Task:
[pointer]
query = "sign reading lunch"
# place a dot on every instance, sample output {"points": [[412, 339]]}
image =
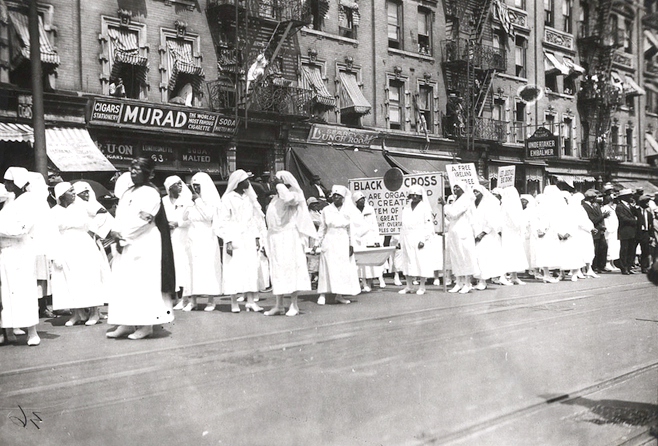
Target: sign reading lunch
{"points": [[328, 134], [388, 204], [105, 111]]}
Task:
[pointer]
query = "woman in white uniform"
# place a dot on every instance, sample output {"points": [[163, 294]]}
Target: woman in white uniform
{"points": [[486, 228], [176, 204], [370, 237], [338, 270], [289, 226], [143, 275], [513, 235], [203, 245], [460, 242]]}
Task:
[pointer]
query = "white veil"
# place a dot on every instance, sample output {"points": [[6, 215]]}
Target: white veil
{"points": [[303, 217], [236, 178]]}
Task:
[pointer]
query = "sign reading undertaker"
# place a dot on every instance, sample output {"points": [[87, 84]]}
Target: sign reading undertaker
{"points": [[136, 114], [542, 144], [328, 134]]}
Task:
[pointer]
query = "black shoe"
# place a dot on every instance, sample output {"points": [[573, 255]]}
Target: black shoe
{"points": [[626, 273]]}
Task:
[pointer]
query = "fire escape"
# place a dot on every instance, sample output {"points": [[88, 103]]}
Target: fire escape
{"points": [[469, 67], [599, 97], [257, 53]]}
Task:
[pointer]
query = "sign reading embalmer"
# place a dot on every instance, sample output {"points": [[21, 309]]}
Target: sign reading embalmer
{"points": [[543, 144]]}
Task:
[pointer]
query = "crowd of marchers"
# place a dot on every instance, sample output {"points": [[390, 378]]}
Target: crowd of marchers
{"points": [[152, 254]]}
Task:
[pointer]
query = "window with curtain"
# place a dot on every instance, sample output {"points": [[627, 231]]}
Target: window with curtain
{"points": [[628, 36], [519, 122], [394, 24], [424, 31], [567, 12], [567, 142], [395, 104], [425, 106]]}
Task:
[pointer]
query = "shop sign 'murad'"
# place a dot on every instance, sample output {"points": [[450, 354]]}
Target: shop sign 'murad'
{"points": [[131, 114]]}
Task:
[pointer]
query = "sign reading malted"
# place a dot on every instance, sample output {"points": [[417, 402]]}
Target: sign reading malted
{"points": [[388, 204], [105, 111]]}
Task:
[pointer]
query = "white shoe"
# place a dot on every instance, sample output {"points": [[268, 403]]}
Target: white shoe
{"points": [[382, 284], [240, 299], [518, 281], [466, 289], [321, 300], [180, 305], [397, 282], [19, 332], [292, 312], [592, 274], [436, 282], [189, 307], [505, 281], [342, 300], [367, 289], [580, 275], [481, 286], [209, 307], [455, 289], [34, 341], [404, 291], [574, 278], [420, 292]]}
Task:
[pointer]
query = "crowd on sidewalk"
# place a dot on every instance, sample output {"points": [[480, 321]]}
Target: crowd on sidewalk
{"points": [[153, 254]]}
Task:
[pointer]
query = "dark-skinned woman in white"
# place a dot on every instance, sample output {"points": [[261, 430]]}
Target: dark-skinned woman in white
{"points": [[415, 237], [338, 271], [289, 225], [242, 228], [143, 275]]}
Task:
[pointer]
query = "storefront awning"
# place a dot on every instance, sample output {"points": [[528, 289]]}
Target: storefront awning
{"points": [[182, 61], [413, 164], [20, 23], [632, 87], [16, 132], [337, 166], [647, 186], [352, 99], [574, 68], [553, 66], [125, 50], [651, 43], [312, 78], [72, 150], [651, 144]]}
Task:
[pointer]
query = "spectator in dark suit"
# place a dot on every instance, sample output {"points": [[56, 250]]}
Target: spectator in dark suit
{"points": [[597, 217], [644, 235], [316, 190], [627, 230], [264, 191]]}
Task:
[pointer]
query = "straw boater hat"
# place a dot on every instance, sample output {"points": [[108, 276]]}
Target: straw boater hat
{"points": [[625, 192]]}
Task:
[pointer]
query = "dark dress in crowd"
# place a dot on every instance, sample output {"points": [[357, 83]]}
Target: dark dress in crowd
{"points": [[627, 232], [600, 245]]}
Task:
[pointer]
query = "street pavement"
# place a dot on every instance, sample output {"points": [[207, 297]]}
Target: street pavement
{"points": [[540, 364]]}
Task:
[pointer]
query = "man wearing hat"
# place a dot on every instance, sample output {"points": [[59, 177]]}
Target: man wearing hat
{"points": [[627, 231], [316, 189], [644, 235], [597, 217]]}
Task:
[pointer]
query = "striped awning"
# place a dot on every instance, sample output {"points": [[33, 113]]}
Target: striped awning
{"points": [[553, 65], [651, 144], [22, 33], [181, 60], [574, 68], [352, 99], [633, 88], [16, 132], [312, 80], [354, 7], [124, 50], [71, 149]]}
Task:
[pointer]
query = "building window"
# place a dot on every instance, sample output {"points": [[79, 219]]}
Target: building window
{"points": [[567, 142], [567, 12], [394, 12], [182, 74], [424, 31], [125, 61], [550, 81], [353, 104], [549, 16], [628, 36], [629, 144], [630, 103], [348, 18], [570, 85], [15, 66], [519, 4], [425, 109], [395, 104], [319, 9], [549, 122], [520, 56], [519, 122]]}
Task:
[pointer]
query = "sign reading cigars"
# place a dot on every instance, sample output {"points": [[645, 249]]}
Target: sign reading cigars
{"points": [[542, 144], [108, 111], [329, 134]]}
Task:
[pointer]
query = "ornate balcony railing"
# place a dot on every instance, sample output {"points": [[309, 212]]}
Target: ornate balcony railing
{"points": [[483, 129], [606, 35], [609, 152], [279, 10], [601, 92], [273, 95], [484, 57]]}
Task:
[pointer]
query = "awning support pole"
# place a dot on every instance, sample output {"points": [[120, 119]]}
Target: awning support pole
{"points": [[40, 156]]}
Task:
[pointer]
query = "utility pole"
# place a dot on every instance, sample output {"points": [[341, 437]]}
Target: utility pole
{"points": [[38, 123]]}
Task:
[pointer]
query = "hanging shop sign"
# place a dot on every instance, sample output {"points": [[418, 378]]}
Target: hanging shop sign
{"points": [[116, 151], [163, 117], [388, 204], [542, 144], [329, 134], [506, 176]]}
